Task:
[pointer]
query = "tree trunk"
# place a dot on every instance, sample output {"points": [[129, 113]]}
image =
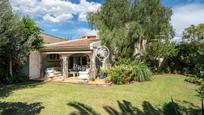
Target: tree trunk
{"points": [[10, 67]]}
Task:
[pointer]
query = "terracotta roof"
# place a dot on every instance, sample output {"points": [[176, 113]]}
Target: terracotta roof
{"points": [[47, 39], [79, 44]]}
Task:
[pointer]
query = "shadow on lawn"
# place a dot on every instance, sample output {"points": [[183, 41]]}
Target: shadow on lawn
{"points": [[19, 108], [82, 109], [126, 108], [8, 89]]}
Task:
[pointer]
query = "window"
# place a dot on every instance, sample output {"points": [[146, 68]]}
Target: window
{"points": [[71, 62], [53, 57], [84, 60], [79, 62]]}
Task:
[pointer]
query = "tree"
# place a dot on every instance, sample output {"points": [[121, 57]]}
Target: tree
{"points": [[154, 19], [111, 22], [189, 57], [194, 33], [9, 32], [157, 51], [18, 37], [122, 23]]}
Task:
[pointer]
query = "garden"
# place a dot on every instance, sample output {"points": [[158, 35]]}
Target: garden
{"points": [[166, 94], [150, 73]]}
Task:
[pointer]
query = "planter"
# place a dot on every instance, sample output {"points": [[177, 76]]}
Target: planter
{"points": [[102, 76]]}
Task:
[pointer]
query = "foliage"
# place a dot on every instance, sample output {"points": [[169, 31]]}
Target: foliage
{"points": [[190, 52], [18, 37], [199, 70], [157, 51], [120, 74], [122, 23], [126, 73], [7, 79], [194, 33], [19, 78], [108, 79], [154, 20], [187, 56], [31, 32], [141, 72], [195, 80], [103, 71], [200, 91]]}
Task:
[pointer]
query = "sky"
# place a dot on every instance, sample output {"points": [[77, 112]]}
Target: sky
{"points": [[67, 18]]}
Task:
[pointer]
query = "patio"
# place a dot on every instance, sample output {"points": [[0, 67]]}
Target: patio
{"points": [[76, 80]]}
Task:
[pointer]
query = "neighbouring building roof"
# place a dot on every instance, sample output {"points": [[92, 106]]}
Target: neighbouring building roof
{"points": [[48, 39], [71, 45]]}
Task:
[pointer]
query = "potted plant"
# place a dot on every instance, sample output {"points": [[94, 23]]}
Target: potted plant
{"points": [[103, 73]]}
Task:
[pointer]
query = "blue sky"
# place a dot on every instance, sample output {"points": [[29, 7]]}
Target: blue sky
{"points": [[67, 18]]}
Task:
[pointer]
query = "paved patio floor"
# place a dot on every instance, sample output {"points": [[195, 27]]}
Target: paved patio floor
{"points": [[76, 80]]}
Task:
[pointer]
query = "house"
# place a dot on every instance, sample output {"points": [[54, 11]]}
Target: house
{"points": [[70, 56], [48, 39]]}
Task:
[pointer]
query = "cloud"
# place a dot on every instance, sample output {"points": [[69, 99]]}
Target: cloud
{"points": [[55, 11], [54, 30], [186, 15], [82, 17], [57, 19], [86, 31], [85, 7]]}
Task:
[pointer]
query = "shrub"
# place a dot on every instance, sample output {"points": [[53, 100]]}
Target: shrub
{"points": [[103, 73], [195, 80], [199, 70], [141, 72], [120, 74], [108, 79], [20, 78], [126, 73], [4, 76], [189, 59], [17, 77]]}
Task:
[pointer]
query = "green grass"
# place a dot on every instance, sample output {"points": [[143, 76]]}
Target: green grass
{"points": [[63, 98]]}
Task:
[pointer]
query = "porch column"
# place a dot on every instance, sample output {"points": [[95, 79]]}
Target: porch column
{"points": [[92, 65], [64, 66], [42, 71]]}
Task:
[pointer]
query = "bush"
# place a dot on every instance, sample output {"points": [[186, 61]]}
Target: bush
{"points": [[199, 70], [126, 73], [141, 72], [20, 78], [17, 77], [108, 79], [195, 80], [120, 74], [189, 59], [4, 76]]}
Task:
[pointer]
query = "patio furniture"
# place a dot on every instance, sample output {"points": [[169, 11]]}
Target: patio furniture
{"points": [[53, 72], [84, 75], [73, 73]]}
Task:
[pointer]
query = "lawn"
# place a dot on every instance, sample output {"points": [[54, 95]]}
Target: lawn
{"points": [[148, 98]]}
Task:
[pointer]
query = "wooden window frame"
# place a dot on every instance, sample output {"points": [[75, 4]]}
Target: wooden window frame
{"points": [[53, 57]]}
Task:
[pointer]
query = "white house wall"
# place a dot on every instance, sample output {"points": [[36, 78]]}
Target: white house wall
{"points": [[34, 65]]}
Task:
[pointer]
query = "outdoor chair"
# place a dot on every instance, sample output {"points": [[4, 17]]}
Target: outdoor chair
{"points": [[84, 75]]}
